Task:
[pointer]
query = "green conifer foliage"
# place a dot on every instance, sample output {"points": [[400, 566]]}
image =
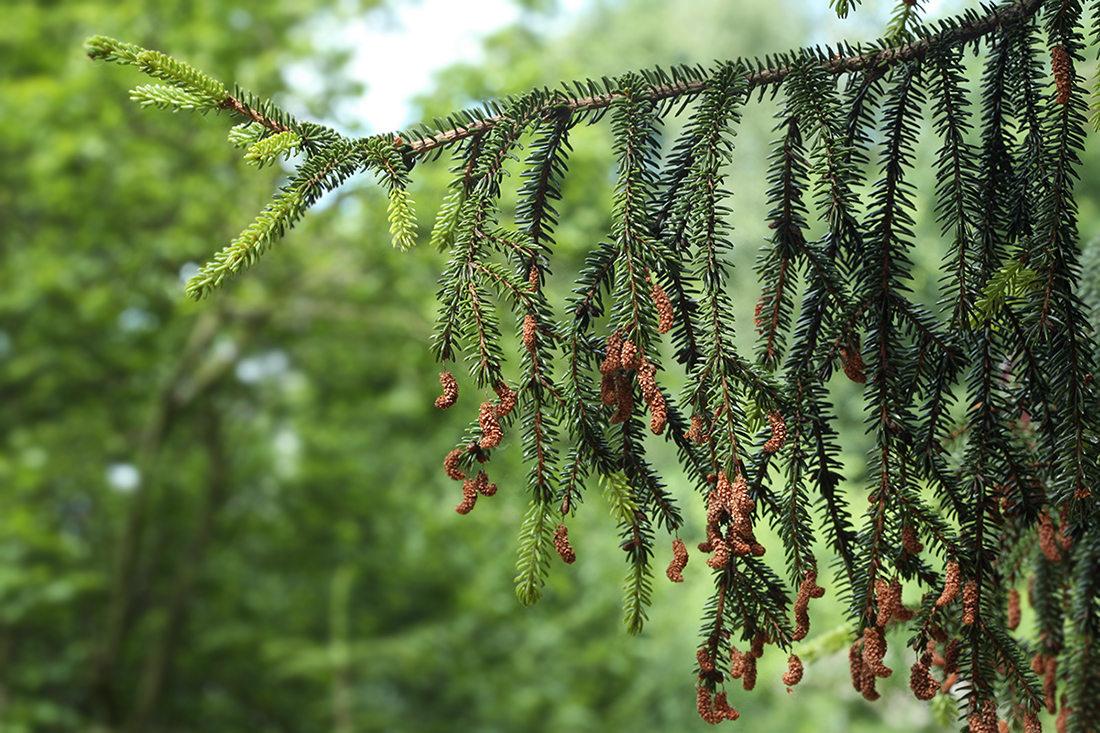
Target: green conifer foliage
{"points": [[983, 413]]}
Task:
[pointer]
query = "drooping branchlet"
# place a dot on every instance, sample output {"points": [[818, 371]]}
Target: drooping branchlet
{"points": [[450, 391]]}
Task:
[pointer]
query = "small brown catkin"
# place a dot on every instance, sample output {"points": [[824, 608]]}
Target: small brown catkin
{"points": [[1013, 609], [869, 680], [779, 433], [793, 675], [1048, 539], [951, 657], [807, 589], [665, 315], [507, 399], [757, 648], [855, 664], [679, 561], [714, 712], [1031, 723], [921, 682], [658, 409], [909, 540], [874, 651], [533, 278], [888, 601], [608, 396], [1050, 683], [450, 465], [450, 391], [469, 496], [748, 680], [629, 357], [481, 483], [530, 332], [970, 603], [561, 544], [951, 578], [613, 359], [948, 682], [490, 427], [737, 664], [695, 433], [1062, 67], [721, 556], [704, 706], [723, 708], [624, 399], [647, 381], [852, 361], [1061, 723]]}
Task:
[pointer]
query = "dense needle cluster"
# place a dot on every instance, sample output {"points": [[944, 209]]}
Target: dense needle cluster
{"points": [[979, 399]]}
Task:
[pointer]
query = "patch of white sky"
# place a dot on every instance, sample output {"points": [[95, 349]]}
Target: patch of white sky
{"points": [[398, 49]]}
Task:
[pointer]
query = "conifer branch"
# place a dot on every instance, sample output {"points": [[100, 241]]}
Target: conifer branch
{"points": [[970, 29]]}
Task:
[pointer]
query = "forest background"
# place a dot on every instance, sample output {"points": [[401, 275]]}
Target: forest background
{"points": [[231, 515]]}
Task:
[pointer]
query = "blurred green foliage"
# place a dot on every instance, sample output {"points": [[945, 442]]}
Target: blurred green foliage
{"points": [[231, 515]]}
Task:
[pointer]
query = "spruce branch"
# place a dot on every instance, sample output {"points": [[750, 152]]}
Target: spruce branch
{"points": [[951, 33]]}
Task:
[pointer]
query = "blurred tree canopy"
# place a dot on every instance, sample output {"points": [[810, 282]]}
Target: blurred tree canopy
{"points": [[231, 515]]}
